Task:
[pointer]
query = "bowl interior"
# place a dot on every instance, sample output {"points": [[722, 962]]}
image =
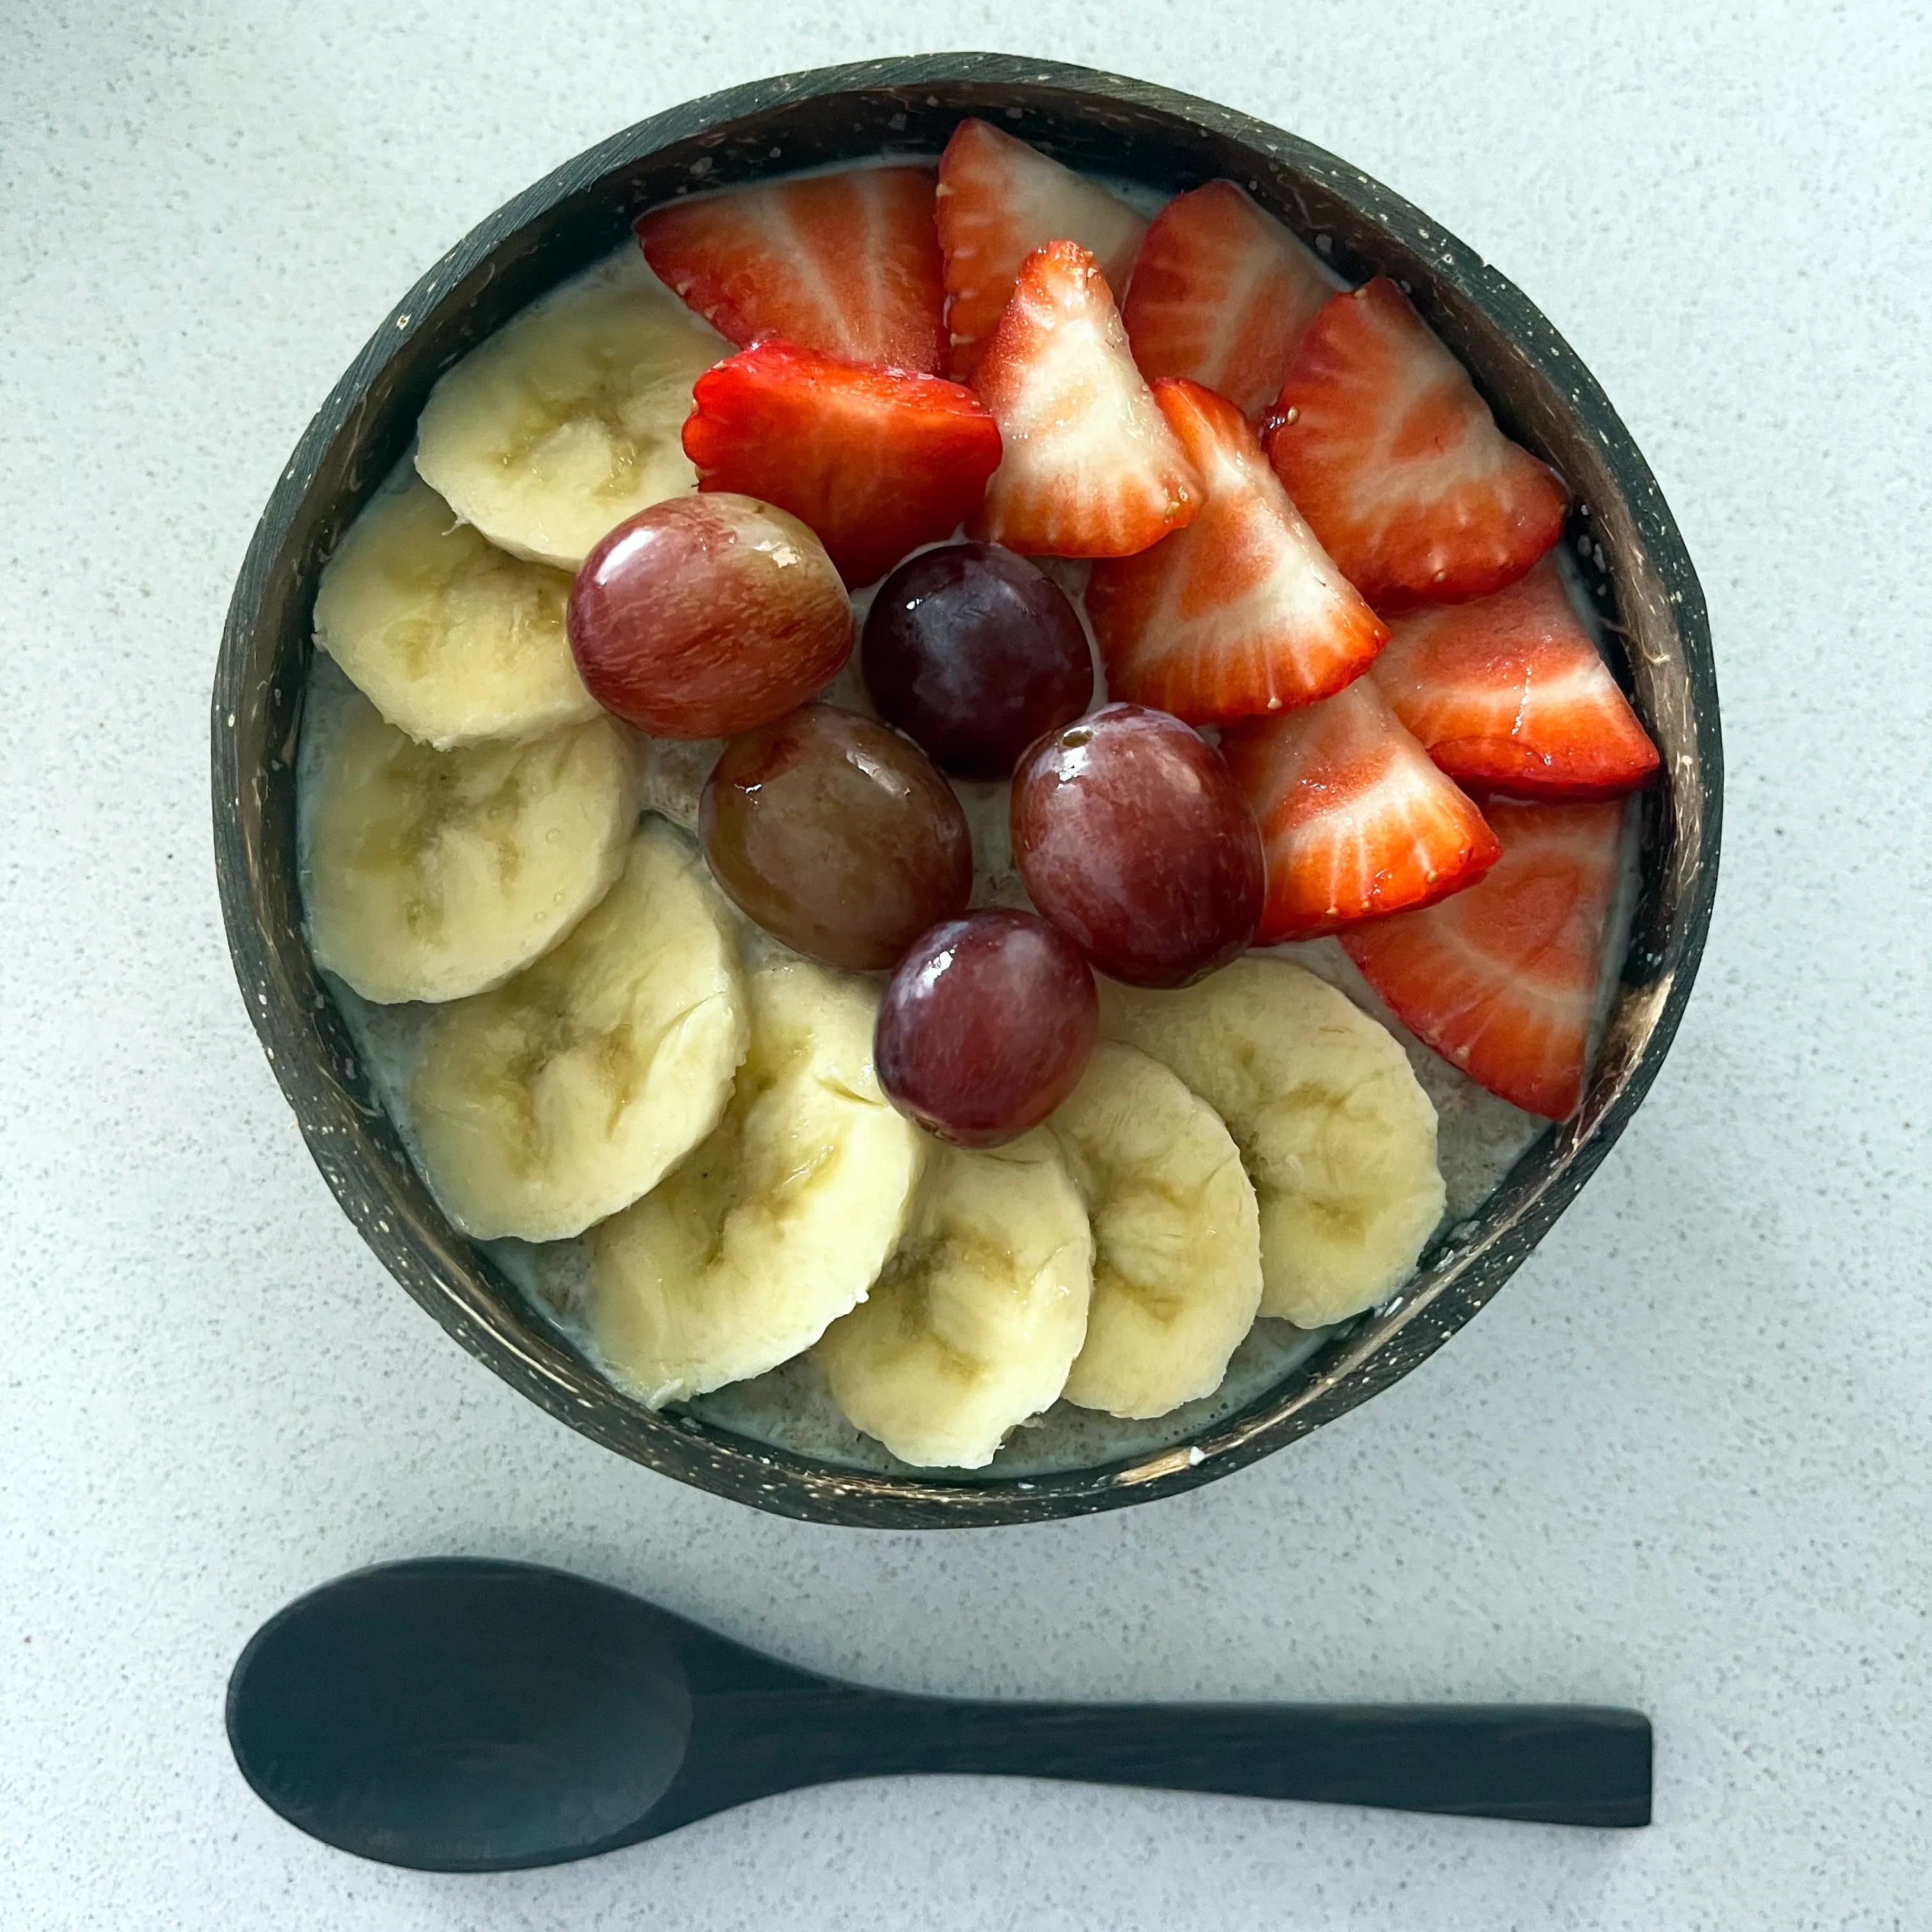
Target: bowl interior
{"points": [[1633, 560]]}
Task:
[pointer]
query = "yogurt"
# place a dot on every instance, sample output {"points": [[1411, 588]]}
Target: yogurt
{"points": [[1480, 1137]]}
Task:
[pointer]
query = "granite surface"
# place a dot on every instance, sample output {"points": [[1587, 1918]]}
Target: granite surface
{"points": [[1682, 1463]]}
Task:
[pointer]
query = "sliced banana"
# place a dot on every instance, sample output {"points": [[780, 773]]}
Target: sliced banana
{"points": [[431, 875], [1335, 1133], [1177, 1237], [568, 419], [975, 1321], [452, 639], [778, 1224], [562, 1096]]}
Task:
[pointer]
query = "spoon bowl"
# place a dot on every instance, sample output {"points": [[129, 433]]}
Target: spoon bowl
{"points": [[464, 1716], [457, 1713]]}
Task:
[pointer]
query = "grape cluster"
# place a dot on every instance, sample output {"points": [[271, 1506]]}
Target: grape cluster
{"points": [[839, 835]]}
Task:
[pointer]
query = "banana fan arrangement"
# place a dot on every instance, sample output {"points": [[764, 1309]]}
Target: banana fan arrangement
{"points": [[612, 1058]]}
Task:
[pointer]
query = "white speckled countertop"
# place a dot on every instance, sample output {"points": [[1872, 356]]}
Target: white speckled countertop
{"points": [[1682, 1462]]}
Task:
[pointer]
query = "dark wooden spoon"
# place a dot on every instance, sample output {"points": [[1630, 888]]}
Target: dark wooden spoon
{"points": [[460, 1715]]}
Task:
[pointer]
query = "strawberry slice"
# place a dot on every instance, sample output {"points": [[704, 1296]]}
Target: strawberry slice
{"points": [[999, 200], [1501, 980], [1240, 612], [1508, 693], [1221, 294], [1355, 820], [878, 461], [1090, 468], [847, 263], [1397, 464]]}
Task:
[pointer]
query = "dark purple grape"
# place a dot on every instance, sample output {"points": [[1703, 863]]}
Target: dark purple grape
{"points": [[1132, 838], [974, 651], [837, 835], [986, 1025]]}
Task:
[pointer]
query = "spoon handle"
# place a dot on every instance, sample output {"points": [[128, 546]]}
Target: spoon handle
{"points": [[1553, 1764]]}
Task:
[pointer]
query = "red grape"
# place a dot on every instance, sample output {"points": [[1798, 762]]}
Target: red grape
{"points": [[986, 1026], [703, 615], [837, 835], [974, 652], [1131, 837]]}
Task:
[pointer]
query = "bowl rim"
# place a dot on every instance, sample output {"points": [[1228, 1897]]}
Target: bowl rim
{"points": [[461, 1290]]}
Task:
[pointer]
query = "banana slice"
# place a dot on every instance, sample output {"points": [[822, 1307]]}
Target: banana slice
{"points": [[454, 640], [1335, 1133], [562, 1096], [976, 1319], [779, 1222], [1176, 1238], [568, 419], [432, 874]]}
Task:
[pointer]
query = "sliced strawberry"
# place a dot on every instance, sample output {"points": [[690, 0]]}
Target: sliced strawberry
{"points": [[1354, 819], [1397, 464], [1221, 294], [878, 461], [1241, 612], [999, 200], [1090, 468], [1508, 694], [1501, 980], [847, 263]]}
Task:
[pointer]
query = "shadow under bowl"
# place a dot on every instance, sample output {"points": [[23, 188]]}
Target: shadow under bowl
{"points": [[1542, 395]]}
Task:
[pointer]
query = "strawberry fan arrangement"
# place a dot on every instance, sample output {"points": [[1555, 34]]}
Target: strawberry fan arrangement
{"points": [[1306, 531]]}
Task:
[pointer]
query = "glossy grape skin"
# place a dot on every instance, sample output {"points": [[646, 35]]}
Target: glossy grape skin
{"points": [[974, 652], [705, 615], [986, 1026], [1131, 837], [837, 835]]}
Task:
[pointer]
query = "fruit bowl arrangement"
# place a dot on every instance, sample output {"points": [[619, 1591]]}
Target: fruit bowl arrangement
{"points": [[883, 762]]}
